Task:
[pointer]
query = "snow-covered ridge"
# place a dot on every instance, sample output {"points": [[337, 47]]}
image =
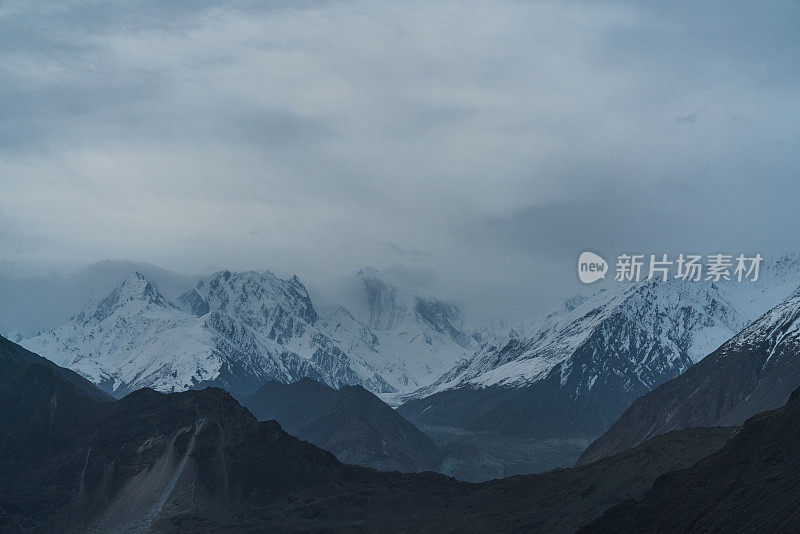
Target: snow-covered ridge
{"points": [[234, 330], [130, 339], [239, 330], [780, 325], [648, 333]]}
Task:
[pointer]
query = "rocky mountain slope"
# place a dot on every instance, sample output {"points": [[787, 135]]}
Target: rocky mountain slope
{"points": [[39, 400], [350, 422], [754, 371]]}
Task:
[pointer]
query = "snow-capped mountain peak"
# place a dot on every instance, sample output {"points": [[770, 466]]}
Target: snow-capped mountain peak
{"points": [[646, 333], [235, 330], [780, 325], [385, 306], [756, 370], [133, 289]]}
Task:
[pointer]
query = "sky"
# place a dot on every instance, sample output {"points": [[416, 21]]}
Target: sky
{"points": [[470, 150]]}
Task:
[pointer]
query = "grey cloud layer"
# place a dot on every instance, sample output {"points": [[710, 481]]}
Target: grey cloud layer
{"points": [[473, 148]]}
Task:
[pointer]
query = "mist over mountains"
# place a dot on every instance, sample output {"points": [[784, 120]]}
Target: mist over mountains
{"points": [[311, 267], [494, 400], [33, 304], [633, 382]]}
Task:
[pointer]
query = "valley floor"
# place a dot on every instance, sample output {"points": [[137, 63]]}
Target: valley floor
{"points": [[479, 456]]}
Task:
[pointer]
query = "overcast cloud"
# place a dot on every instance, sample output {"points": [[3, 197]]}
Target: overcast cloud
{"points": [[471, 149]]}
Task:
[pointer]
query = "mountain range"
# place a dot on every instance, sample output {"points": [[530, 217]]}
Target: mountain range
{"points": [[240, 330], [495, 403], [566, 379]]}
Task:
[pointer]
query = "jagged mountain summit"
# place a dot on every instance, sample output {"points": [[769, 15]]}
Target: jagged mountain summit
{"points": [[234, 330], [240, 330], [756, 370], [255, 311], [133, 338]]}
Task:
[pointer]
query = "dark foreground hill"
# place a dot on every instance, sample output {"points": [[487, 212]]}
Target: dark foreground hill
{"points": [[751, 485], [350, 422], [198, 461], [39, 400]]}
